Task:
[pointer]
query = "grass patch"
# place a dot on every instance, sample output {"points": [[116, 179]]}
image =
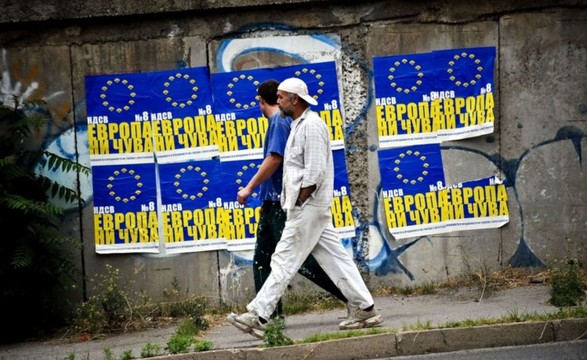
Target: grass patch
{"points": [[507, 278], [567, 287], [344, 335], [515, 317]]}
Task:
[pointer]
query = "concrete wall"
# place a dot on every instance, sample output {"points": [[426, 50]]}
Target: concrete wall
{"points": [[538, 143]]}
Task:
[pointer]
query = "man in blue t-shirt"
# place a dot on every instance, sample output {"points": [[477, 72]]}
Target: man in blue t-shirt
{"points": [[272, 220]]}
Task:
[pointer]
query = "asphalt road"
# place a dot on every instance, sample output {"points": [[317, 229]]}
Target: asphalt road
{"points": [[563, 350]]}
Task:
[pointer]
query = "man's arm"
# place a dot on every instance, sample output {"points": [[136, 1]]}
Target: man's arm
{"points": [[267, 168], [306, 192]]}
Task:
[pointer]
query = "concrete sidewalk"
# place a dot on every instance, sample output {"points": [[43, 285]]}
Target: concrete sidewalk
{"points": [[399, 313]]}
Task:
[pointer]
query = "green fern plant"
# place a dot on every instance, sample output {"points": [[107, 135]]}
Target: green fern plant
{"points": [[35, 261]]}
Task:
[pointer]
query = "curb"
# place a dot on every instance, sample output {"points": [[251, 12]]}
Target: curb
{"points": [[408, 343]]}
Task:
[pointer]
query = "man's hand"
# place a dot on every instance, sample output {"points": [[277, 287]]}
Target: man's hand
{"points": [[242, 195]]}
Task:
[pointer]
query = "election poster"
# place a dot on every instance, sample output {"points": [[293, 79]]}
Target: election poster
{"points": [[184, 127], [125, 208], [191, 219], [117, 133], [123, 166], [434, 97], [402, 85], [421, 101], [240, 226], [342, 208], [463, 101], [322, 84]]}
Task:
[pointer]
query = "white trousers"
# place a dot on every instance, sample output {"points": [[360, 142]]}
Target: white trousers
{"points": [[308, 229]]}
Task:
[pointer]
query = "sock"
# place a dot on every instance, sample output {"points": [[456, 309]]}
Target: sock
{"points": [[369, 308], [262, 321]]}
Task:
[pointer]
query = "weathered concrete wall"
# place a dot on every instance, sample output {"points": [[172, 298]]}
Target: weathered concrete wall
{"points": [[538, 142]]}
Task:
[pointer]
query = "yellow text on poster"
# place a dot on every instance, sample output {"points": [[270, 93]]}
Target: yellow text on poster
{"points": [[183, 133], [342, 212], [445, 205], [130, 227], [333, 118], [119, 138], [194, 224], [241, 134]]}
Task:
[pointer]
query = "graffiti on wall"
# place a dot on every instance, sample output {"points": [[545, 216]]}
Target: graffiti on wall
{"points": [[26, 86]]}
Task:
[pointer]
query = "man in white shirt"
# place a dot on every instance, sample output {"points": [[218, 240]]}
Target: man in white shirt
{"points": [[308, 181]]}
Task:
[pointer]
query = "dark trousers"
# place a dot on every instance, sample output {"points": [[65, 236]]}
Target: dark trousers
{"points": [[269, 229]]}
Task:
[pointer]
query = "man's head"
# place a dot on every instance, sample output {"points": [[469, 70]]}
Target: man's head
{"points": [[268, 97], [293, 97]]}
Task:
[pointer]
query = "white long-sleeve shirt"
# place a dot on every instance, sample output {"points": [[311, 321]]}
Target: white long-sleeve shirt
{"points": [[308, 161]]}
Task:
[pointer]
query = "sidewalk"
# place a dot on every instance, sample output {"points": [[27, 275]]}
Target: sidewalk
{"points": [[398, 312]]}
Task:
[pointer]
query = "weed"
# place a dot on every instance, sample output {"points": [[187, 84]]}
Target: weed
{"points": [[188, 327], [70, 356], [419, 326], [179, 343], [107, 311], [151, 350], [203, 345], [274, 335], [127, 355], [567, 283], [108, 355]]}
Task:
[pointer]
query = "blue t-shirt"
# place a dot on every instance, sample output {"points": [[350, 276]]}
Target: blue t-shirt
{"points": [[275, 140]]}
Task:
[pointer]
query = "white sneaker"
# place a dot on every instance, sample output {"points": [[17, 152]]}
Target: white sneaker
{"points": [[248, 323], [361, 319], [349, 312]]}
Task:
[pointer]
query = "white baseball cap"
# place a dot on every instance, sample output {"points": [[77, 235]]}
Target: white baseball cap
{"points": [[297, 86]]}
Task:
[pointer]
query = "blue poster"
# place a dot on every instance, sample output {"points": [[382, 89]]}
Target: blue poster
{"points": [[180, 109], [192, 219], [411, 170], [463, 103], [342, 208], [403, 84], [116, 129], [434, 97], [240, 220], [125, 208]]}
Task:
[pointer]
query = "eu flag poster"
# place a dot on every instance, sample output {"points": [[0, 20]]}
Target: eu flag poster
{"points": [[125, 208], [465, 78], [192, 220], [402, 87], [434, 97], [241, 125], [117, 130], [408, 175], [180, 110]]}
